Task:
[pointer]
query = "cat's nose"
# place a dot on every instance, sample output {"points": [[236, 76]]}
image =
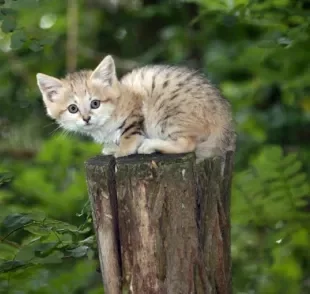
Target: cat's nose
{"points": [[86, 119]]}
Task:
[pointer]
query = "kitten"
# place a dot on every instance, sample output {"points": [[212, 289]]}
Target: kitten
{"points": [[168, 109]]}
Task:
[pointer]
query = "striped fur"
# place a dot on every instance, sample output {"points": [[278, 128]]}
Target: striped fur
{"points": [[160, 108]]}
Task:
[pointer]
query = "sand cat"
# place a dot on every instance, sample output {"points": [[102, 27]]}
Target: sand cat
{"points": [[156, 108]]}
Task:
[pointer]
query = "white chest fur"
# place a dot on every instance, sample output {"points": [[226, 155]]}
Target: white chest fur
{"points": [[107, 136]]}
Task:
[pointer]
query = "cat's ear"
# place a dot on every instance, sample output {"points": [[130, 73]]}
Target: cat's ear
{"points": [[49, 86], [105, 73]]}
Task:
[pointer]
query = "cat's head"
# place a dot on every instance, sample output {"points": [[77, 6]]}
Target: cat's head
{"points": [[82, 101]]}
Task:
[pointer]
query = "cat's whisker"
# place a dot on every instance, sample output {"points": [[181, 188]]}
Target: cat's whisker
{"points": [[50, 124], [54, 131], [64, 133]]}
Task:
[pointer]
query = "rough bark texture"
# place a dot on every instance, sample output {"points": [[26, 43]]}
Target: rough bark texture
{"points": [[171, 231], [101, 187]]}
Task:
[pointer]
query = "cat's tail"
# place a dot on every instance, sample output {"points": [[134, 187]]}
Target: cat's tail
{"points": [[217, 144]]}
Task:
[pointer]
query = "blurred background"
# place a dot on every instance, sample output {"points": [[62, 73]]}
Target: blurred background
{"points": [[255, 51]]}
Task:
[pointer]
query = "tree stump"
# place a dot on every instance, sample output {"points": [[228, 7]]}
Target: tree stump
{"points": [[162, 223]]}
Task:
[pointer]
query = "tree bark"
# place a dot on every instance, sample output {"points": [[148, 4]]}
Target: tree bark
{"points": [[170, 223], [101, 187]]}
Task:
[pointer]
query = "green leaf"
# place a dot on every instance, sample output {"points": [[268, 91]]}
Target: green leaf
{"points": [[8, 24], [301, 191], [301, 238], [267, 44], [8, 250], [54, 258], [61, 227], [26, 253], [4, 12], [79, 251], [22, 4], [90, 240], [66, 238], [48, 40], [18, 39], [35, 46], [10, 266], [5, 177], [292, 169], [37, 229], [289, 159], [276, 185], [298, 179], [45, 249], [16, 220]]}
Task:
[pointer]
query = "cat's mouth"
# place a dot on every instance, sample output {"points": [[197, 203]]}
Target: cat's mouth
{"points": [[89, 126]]}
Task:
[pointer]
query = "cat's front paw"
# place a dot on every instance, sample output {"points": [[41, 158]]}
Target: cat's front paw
{"points": [[109, 149], [147, 147], [106, 151], [122, 153]]}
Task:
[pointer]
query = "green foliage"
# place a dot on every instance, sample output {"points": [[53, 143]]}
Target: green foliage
{"points": [[274, 187], [58, 189], [32, 244], [15, 13], [271, 226], [255, 51], [46, 243], [4, 177]]}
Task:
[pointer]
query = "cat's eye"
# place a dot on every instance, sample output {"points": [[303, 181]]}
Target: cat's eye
{"points": [[73, 108], [95, 104]]}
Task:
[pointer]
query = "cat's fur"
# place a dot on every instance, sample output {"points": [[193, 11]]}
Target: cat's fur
{"points": [[154, 108]]}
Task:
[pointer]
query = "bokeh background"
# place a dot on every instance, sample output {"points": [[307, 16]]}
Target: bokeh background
{"points": [[255, 51]]}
